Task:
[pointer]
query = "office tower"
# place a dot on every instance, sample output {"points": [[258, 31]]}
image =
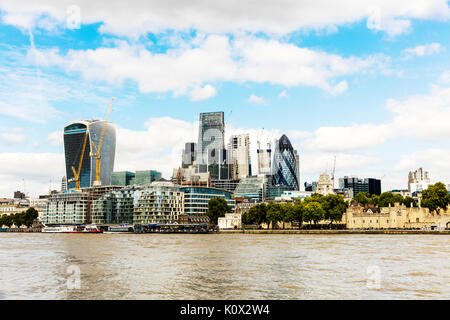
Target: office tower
{"points": [[418, 180], [63, 184], [264, 160], [254, 188], [74, 136], [285, 167], [122, 178], [369, 185], [19, 195], [210, 139], [239, 156], [189, 154]]}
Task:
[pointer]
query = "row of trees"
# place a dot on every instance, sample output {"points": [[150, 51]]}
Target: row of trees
{"points": [[383, 200], [18, 219], [435, 198], [312, 209]]}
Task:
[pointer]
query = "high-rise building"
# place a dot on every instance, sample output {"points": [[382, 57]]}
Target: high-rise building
{"points": [[140, 178], [211, 143], [369, 185], [189, 154], [254, 188], [418, 180], [74, 135], [63, 184], [285, 167], [264, 160], [239, 156]]}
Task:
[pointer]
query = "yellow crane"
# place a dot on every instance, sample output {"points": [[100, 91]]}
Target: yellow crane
{"points": [[76, 174], [98, 148]]}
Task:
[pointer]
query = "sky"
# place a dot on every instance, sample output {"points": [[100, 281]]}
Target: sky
{"points": [[367, 82]]}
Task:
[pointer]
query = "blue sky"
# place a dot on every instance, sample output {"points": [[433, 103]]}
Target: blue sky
{"points": [[367, 81]]}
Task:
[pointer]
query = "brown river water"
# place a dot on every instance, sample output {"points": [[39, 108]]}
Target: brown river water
{"points": [[223, 266]]}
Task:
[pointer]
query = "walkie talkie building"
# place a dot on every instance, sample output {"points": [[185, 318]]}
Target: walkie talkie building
{"points": [[285, 169], [74, 135]]}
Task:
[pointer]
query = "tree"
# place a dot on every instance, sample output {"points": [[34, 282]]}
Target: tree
{"points": [[389, 198], [30, 215], [408, 200], [435, 197], [313, 211], [18, 219], [8, 221], [334, 206], [217, 207], [362, 198], [295, 213], [286, 212], [274, 213]]}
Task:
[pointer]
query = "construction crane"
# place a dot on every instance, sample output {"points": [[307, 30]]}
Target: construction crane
{"points": [[76, 173], [98, 148]]}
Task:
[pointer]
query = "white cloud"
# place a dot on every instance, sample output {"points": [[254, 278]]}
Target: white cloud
{"points": [[445, 77], [423, 50], [13, 138], [435, 160], [55, 138], [202, 93], [138, 17], [423, 117], [283, 94], [37, 169], [187, 69], [256, 100]]}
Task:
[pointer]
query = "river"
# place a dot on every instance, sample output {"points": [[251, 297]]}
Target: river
{"points": [[223, 266]]}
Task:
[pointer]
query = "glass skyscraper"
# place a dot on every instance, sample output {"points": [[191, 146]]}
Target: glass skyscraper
{"points": [[285, 167], [74, 134], [211, 143]]}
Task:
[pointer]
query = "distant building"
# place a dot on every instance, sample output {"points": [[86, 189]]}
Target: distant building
{"points": [[369, 185], [264, 160], [74, 136], [324, 185], [64, 184], [311, 186], [418, 180], [115, 207], [285, 167], [140, 178], [229, 185], [239, 156], [196, 199], [211, 139], [19, 195], [293, 195], [189, 155], [230, 221], [254, 188]]}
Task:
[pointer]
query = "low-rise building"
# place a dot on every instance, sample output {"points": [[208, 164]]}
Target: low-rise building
{"points": [[395, 217], [230, 221]]}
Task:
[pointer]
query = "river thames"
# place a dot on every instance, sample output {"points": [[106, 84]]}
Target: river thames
{"points": [[223, 266]]}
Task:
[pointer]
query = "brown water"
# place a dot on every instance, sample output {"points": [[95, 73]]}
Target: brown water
{"points": [[225, 266]]}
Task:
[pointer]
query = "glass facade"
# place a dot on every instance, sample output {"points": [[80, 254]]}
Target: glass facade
{"points": [[114, 207], [285, 168], [196, 199], [254, 188], [74, 135], [211, 138]]}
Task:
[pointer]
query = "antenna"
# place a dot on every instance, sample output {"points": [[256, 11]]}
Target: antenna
{"points": [[334, 170]]}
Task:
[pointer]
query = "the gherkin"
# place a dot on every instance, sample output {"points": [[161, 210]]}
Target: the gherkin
{"points": [[285, 167]]}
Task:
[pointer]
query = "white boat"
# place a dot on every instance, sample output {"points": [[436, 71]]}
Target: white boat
{"points": [[72, 229]]}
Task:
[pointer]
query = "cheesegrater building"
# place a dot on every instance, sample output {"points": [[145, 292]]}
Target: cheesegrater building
{"points": [[74, 135]]}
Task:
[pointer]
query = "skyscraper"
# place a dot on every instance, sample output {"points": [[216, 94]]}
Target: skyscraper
{"points": [[418, 180], [369, 185], [285, 169], [74, 135], [239, 156], [189, 155], [264, 160], [211, 142]]}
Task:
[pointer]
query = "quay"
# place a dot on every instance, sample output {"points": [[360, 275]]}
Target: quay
{"points": [[201, 228]]}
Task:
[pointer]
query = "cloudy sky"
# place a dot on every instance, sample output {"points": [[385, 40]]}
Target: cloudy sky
{"points": [[365, 81]]}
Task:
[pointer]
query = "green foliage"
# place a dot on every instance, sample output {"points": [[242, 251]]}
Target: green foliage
{"points": [[217, 207], [435, 197], [408, 200], [313, 211], [362, 198], [389, 198], [274, 213], [334, 206]]}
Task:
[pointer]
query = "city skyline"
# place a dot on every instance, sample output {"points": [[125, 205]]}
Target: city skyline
{"points": [[370, 85]]}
